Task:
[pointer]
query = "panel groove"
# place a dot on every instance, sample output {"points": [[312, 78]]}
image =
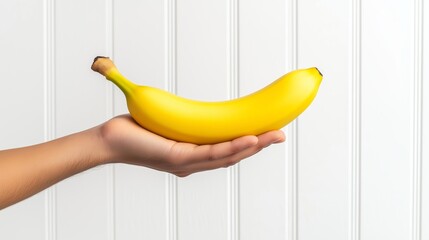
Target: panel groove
{"points": [[110, 111], [233, 84], [49, 108], [171, 86], [417, 122], [355, 121], [291, 13]]}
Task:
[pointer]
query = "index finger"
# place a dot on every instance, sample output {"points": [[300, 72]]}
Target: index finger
{"points": [[221, 150]]}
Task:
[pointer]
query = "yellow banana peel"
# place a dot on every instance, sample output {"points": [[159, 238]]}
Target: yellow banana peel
{"points": [[200, 122]]}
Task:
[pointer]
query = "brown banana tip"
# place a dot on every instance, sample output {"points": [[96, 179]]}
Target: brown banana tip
{"points": [[96, 58], [319, 71], [102, 65]]}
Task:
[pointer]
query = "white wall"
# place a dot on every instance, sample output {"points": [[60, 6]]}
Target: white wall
{"points": [[351, 168]]}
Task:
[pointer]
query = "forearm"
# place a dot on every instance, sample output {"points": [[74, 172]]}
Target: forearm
{"points": [[28, 170]]}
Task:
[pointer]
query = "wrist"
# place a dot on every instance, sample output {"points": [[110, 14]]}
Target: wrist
{"points": [[100, 152], [106, 137]]}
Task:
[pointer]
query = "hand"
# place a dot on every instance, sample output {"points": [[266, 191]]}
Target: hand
{"points": [[28, 170], [128, 143]]}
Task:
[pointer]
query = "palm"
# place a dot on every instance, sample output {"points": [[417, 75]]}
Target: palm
{"points": [[134, 145]]}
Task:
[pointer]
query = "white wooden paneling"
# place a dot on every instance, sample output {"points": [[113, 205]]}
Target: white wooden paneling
{"points": [[323, 41], [352, 166], [22, 70], [81, 202], [22, 104], [354, 218], [139, 52], [387, 78], [261, 61], [417, 124], [424, 227], [201, 64]]}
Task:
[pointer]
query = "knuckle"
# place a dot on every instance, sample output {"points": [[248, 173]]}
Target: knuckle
{"points": [[182, 174], [211, 154], [230, 162]]}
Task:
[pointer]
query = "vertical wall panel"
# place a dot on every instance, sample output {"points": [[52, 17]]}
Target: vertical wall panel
{"points": [[425, 130], [81, 201], [387, 78], [233, 176], [261, 61], [201, 74], [291, 173], [355, 120], [138, 51], [360, 148], [416, 123], [22, 69], [323, 134], [22, 104]]}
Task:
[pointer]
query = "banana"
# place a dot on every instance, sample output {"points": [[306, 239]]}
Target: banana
{"points": [[199, 122]]}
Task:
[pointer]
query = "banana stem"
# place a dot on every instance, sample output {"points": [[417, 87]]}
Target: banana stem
{"points": [[107, 68]]}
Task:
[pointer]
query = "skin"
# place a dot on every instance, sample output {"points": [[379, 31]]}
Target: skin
{"points": [[28, 170]]}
